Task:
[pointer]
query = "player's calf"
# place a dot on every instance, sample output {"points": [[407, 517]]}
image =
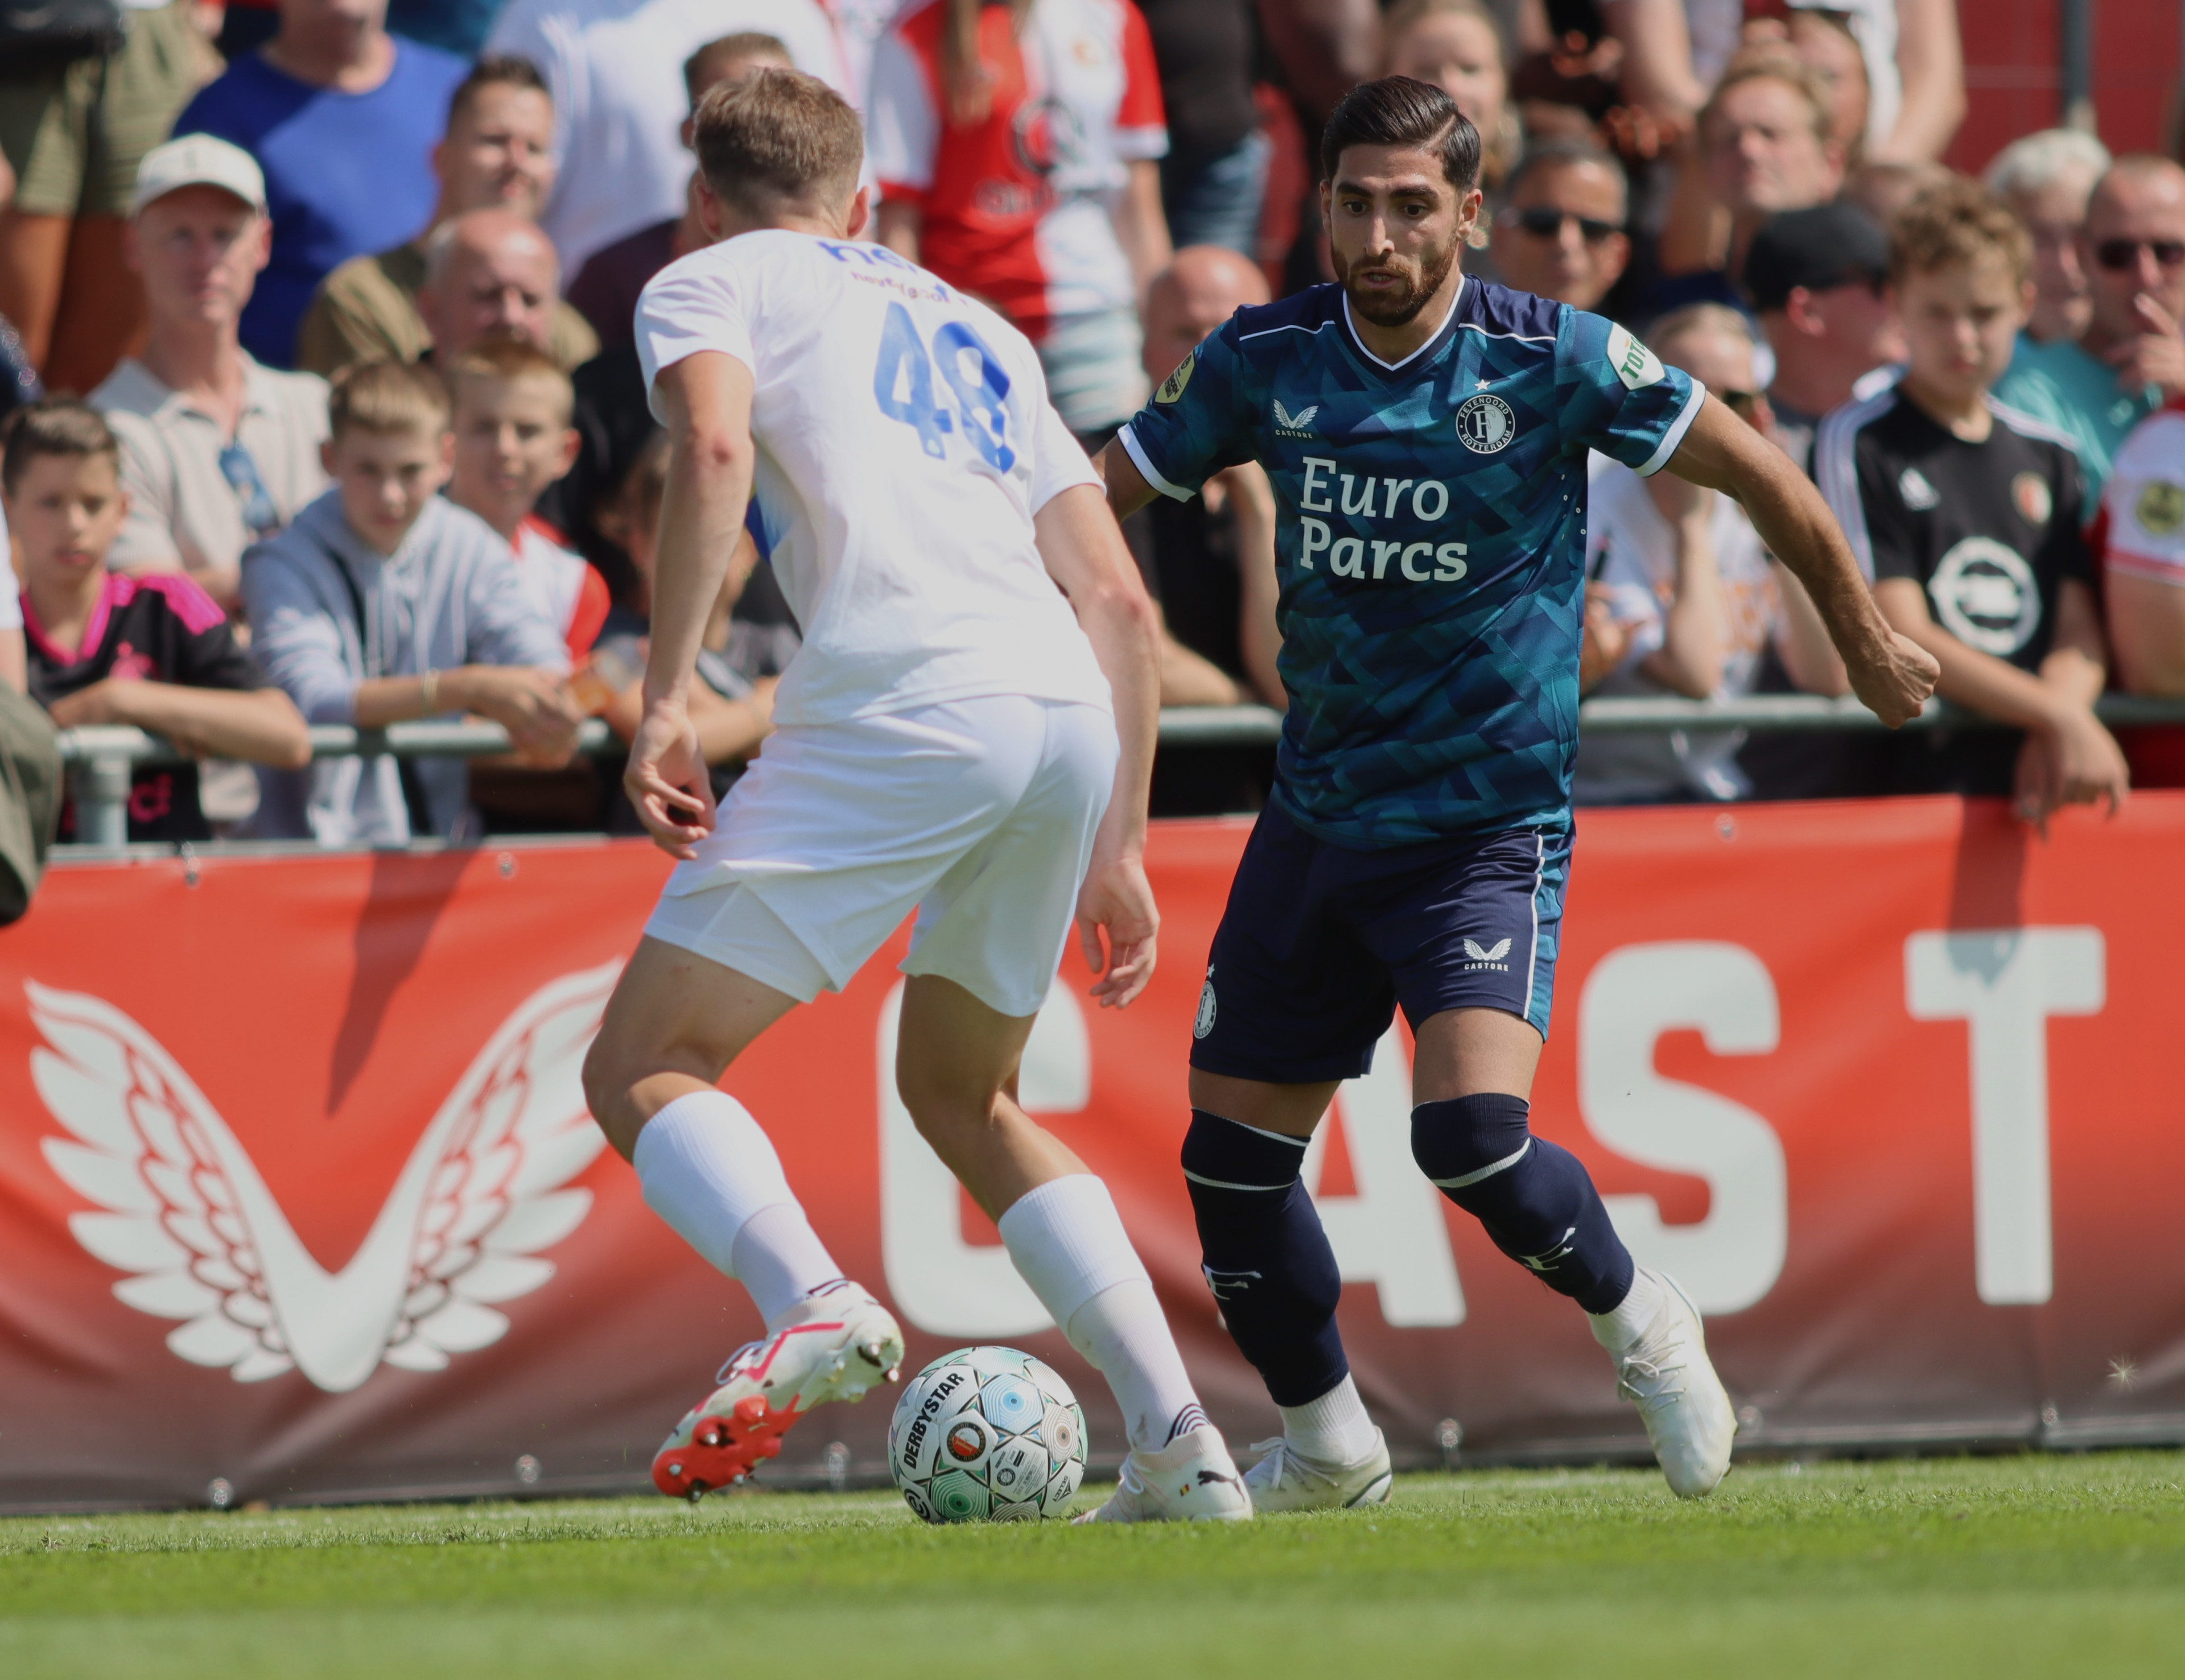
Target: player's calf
{"points": [[1539, 1204], [1266, 1256], [1536, 1198], [1268, 1262]]}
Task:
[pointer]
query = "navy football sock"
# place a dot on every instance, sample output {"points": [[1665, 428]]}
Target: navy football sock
{"points": [[1536, 1199], [1266, 1258]]}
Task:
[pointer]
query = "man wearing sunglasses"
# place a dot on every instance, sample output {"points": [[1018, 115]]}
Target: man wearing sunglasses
{"points": [[2133, 358], [1561, 235], [217, 451]]}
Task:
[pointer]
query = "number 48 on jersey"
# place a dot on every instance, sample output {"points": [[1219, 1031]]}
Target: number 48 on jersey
{"points": [[903, 386]]}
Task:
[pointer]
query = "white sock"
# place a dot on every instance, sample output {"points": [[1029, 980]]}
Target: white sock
{"points": [[708, 1168], [780, 1259], [1620, 1328], [1333, 1429], [1067, 1241]]}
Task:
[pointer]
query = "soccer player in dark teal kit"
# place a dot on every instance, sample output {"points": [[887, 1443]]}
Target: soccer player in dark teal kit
{"points": [[1427, 437]]}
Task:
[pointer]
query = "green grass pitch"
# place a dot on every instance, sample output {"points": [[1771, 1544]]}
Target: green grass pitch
{"points": [[2028, 1565]]}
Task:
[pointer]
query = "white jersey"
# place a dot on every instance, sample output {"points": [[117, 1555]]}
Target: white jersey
{"points": [[615, 71], [1632, 549], [904, 441], [2143, 502]]}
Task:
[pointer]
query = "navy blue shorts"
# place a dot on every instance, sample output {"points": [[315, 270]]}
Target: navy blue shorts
{"points": [[1320, 943]]}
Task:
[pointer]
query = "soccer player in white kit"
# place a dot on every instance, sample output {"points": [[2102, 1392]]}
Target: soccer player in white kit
{"points": [[958, 733]]}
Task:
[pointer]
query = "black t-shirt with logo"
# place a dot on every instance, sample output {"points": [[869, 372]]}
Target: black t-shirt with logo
{"points": [[162, 628], [1989, 531]]}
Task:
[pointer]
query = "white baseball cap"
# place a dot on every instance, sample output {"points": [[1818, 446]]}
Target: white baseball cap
{"points": [[199, 160]]}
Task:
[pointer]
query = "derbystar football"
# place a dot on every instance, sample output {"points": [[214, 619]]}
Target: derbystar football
{"points": [[987, 1433]]}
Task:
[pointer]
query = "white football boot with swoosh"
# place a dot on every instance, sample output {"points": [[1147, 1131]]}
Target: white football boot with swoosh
{"points": [[1285, 1480], [1192, 1479], [1687, 1410], [838, 1342]]}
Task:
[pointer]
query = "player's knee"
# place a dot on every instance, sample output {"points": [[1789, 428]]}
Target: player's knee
{"points": [[948, 1113], [1466, 1140], [1222, 1155], [607, 1083]]}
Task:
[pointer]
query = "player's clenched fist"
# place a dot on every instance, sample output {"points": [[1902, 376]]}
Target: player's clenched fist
{"points": [[1895, 682]]}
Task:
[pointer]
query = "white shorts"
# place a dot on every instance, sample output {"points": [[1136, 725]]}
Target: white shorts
{"points": [[979, 812]]}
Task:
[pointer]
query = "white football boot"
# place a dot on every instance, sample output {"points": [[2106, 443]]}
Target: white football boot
{"points": [[1687, 1412], [1285, 1480], [1192, 1479], [838, 1342]]}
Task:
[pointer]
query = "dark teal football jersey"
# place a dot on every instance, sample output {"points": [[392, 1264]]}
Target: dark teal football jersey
{"points": [[1430, 537]]}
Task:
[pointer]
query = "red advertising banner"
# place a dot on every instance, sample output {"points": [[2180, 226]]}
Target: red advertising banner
{"points": [[297, 1189]]}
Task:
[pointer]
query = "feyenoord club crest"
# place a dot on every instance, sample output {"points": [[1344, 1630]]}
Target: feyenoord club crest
{"points": [[1484, 424], [2030, 492]]}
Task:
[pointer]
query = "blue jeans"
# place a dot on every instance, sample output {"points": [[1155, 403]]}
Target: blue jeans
{"points": [[1215, 200]]}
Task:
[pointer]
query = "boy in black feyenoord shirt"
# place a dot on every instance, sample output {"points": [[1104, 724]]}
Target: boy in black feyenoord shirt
{"points": [[1968, 517], [153, 651]]}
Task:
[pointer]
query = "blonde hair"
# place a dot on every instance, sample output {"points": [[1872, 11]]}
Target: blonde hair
{"points": [[775, 137], [1405, 13], [1957, 224], [507, 360], [1775, 65], [1499, 152], [387, 399], [1694, 319]]}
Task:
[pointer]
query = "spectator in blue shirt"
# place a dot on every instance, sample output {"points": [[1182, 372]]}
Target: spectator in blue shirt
{"points": [[2130, 359], [343, 118]]}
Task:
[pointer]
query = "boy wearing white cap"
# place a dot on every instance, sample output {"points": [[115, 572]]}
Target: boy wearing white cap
{"points": [[217, 451]]}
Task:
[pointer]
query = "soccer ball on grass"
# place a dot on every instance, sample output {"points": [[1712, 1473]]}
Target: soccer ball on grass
{"points": [[987, 1433]]}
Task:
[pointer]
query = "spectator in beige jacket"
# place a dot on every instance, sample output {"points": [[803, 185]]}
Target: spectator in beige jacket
{"points": [[497, 154]]}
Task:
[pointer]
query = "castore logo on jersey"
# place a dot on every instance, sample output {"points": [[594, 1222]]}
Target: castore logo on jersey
{"points": [[184, 1211]]}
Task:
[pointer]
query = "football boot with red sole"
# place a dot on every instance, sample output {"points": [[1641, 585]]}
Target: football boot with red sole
{"points": [[839, 1344]]}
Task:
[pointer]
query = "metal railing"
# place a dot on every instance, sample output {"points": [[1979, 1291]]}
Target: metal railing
{"points": [[102, 758]]}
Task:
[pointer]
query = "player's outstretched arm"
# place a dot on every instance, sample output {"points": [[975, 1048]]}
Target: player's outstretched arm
{"points": [[1892, 674], [1127, 490], [1084, 553], [707, 398]]}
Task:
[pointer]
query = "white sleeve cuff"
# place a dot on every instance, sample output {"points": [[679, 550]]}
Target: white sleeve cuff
{"points": [[1146, 469], [1676, 434]]}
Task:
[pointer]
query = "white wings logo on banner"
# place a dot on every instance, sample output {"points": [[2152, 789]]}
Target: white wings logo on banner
{"points": [[188, 1216]]}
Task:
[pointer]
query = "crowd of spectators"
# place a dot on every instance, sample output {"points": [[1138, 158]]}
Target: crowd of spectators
{"points": [[345, 289]]}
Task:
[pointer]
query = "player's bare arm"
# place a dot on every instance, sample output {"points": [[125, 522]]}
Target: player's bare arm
{"points": [[1892, 673], [1260, 580], [1127, 490], [708, 398], [1084, 553]]}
